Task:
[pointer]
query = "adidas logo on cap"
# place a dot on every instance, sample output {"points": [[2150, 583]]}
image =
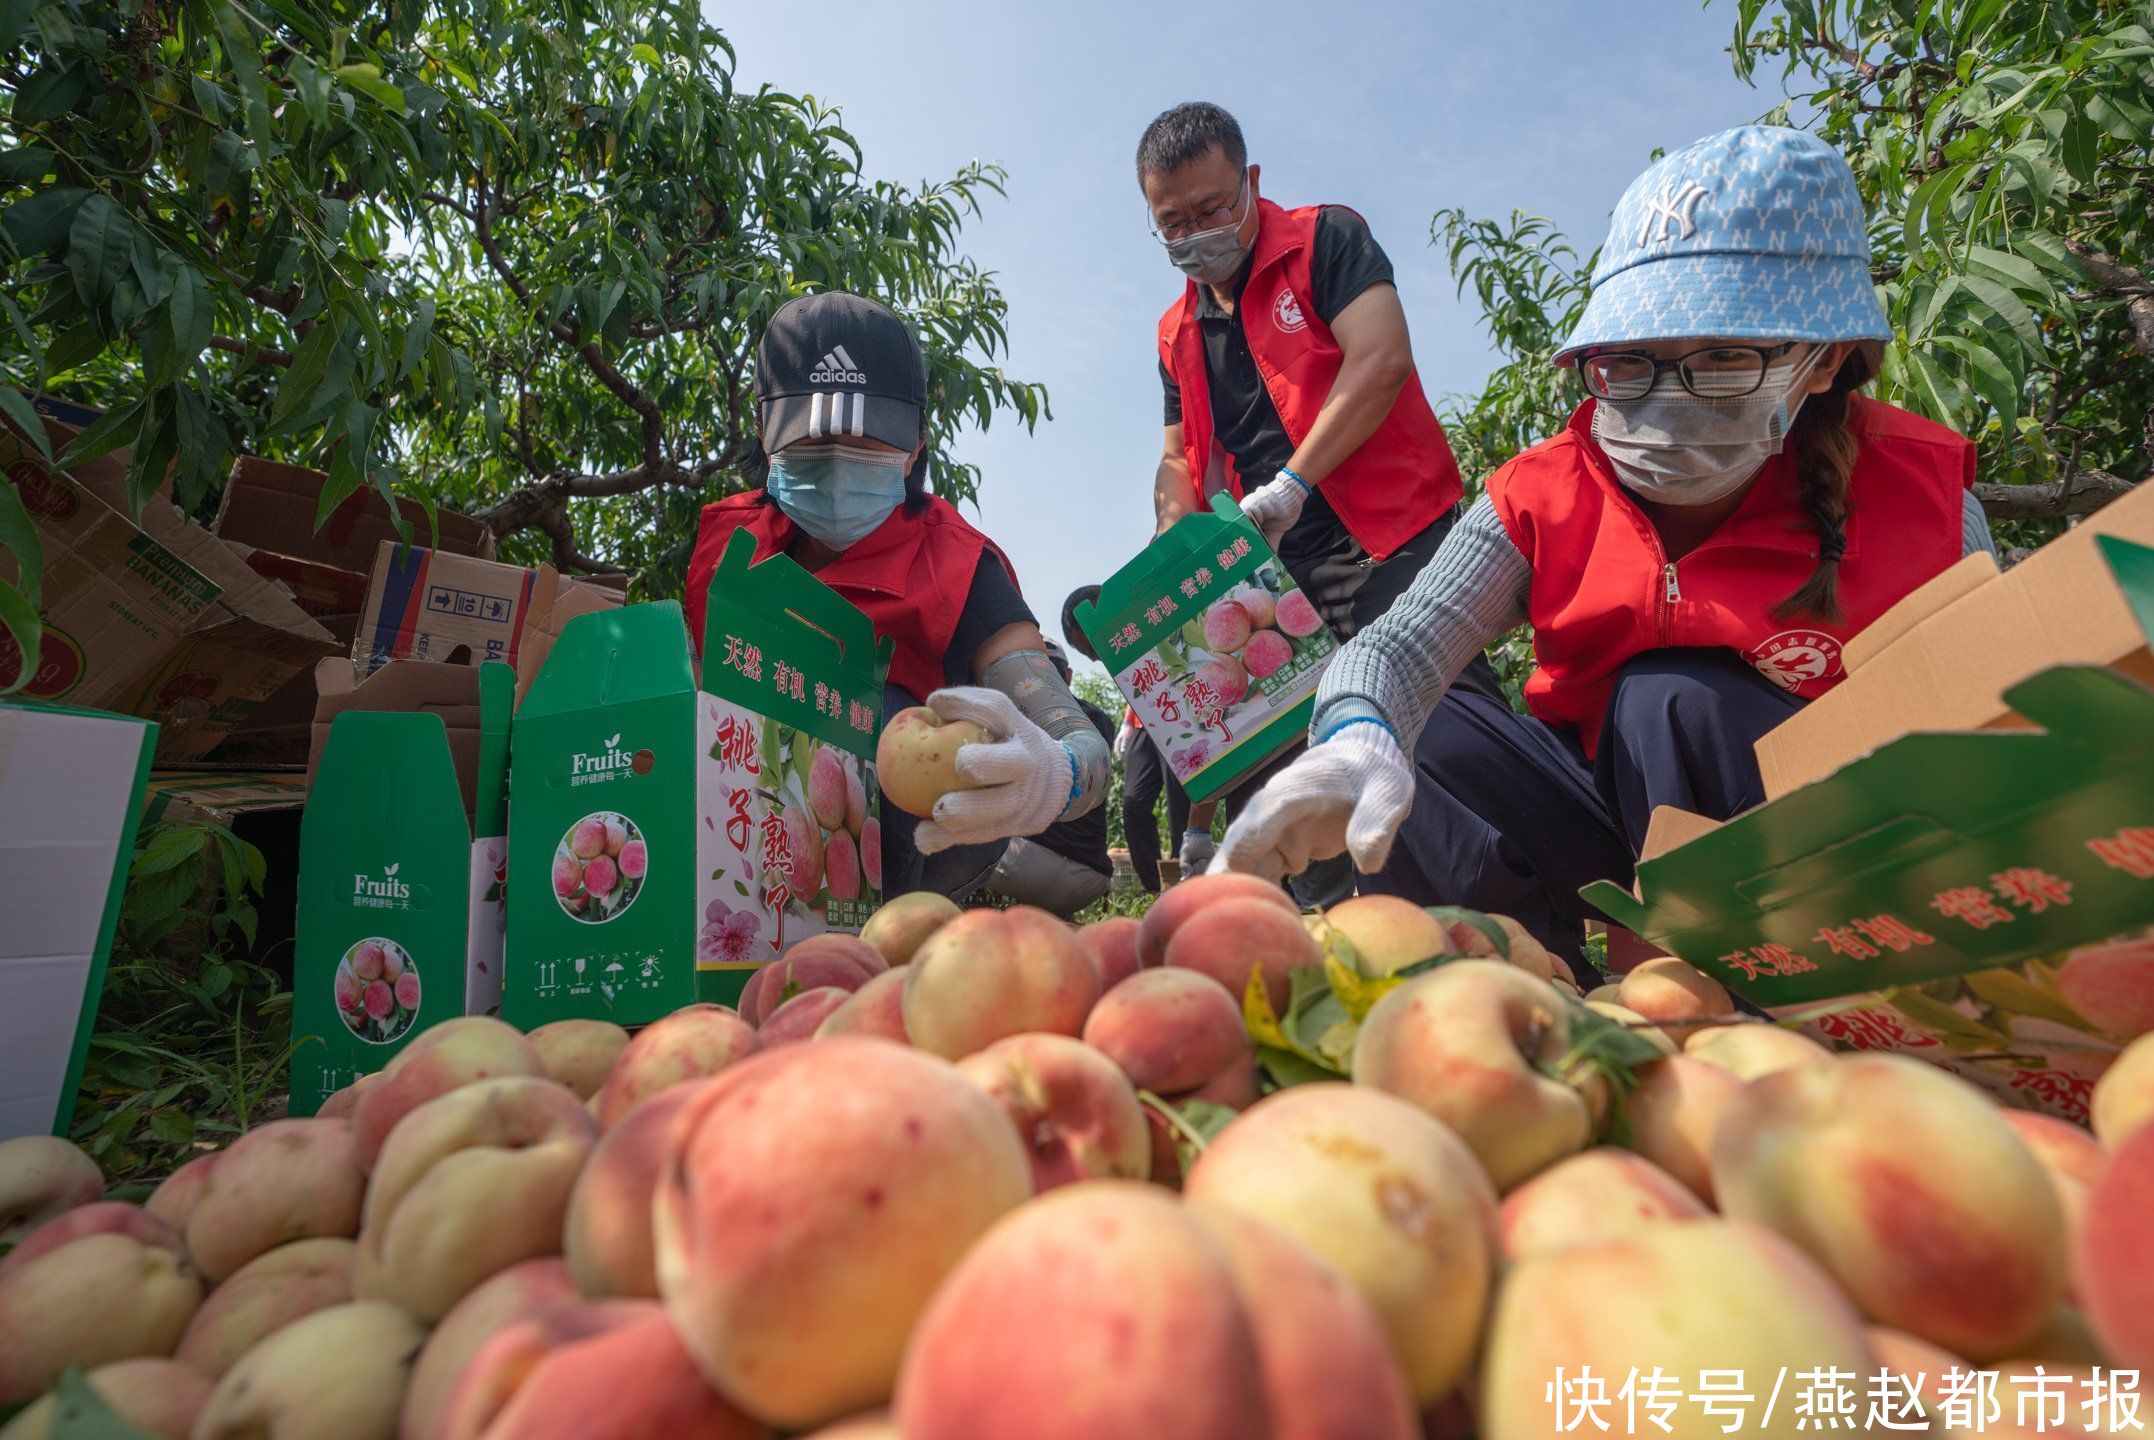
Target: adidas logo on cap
{"points": [[837, 369]]}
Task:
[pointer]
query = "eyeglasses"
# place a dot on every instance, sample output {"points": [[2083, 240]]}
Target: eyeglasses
{"points": [[1210, 220], [1716, 372]]}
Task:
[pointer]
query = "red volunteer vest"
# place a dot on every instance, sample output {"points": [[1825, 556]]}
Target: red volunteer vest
{"points": [[1399, 481], [1604, 590], [910, 576]]}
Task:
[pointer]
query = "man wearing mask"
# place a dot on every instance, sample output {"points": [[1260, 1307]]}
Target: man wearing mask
{"points": [[1290, 384], [841, 409]]}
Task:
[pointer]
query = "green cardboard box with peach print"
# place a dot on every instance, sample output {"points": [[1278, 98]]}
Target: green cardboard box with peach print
{"points": [[1213, 645]]}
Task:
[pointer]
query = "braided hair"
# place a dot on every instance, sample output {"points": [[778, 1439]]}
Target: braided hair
{"points": [[1825, 452]]}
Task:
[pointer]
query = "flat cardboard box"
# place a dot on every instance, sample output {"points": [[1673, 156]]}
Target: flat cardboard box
{"points": [[220, 797], [80, 775], [1943, 658], [270, 506], [429, 605], [151, 616]]}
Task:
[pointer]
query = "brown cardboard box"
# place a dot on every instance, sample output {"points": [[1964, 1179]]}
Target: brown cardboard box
{"points": [[428, 605], [448, 690], [269, 506], [152, 617], [1942, 658], [220, 796]]}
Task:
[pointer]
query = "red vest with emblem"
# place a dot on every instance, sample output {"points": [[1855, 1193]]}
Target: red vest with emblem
{"points": [[1604, 590], [1400, 480], [909, 576]]}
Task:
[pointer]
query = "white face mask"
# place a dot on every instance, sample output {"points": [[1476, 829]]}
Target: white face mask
{"points": [[1672, 447]]}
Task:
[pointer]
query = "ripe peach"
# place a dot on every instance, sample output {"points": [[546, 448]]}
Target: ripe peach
{"points": [[1074, 1110], [1388, 1195], [2124, 1096], [106, 1296], [1521, 950], [1112, 944], [442, 1057], [800, 1017], [41, 1176], [1636, 1024], [1106, 1279], [826, 788], [1226, 677], [350, 992], [588, 840], [991, 973], [1262, 605], [1190, 897], [607, 1237], [599, 1369], [875, 1009], [174, 1198], [1169, 1029], [268, 1293], [468, 1185], [798, 971], [916, 758], [856, 801], [1750, 1303], [284, 1181], [1676, 996], [818, 1197], [616, 836], [160, 1398], [871, 854], [1671, 1115], [406, 991], [842, 945], [875, 1425], [1267, 652], [344, 1104], [635, 859], [102, 1217], [2113, 1254], [693, 1042], [567, 875], [601, 876], [1385, 933], [2111, 986], [1747, 1051], [841, 867], [1472, 1043], [378, 999], [1328, 1370], [368, 961], [1595, 1195], [804, 852], [1226, 626], [338, 1374], [1229, 939], [1297, 616], [578, 1053], [1908, 1187], [515, 1294]]}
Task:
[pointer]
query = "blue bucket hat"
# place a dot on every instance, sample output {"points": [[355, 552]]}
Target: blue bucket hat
{"points": [[1756, 233]]}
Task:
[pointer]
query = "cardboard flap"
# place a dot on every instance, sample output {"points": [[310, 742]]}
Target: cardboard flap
{"points": [[388, 769], [827, 628], [615, 657], [1918, 605], [272, 506]]}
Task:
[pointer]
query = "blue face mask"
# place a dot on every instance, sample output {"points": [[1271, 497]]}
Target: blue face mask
{"points": [[836, 493]]}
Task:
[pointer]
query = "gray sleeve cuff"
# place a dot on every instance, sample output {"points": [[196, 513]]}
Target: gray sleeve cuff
{"points": [[1473, 591], [1974, 528]]}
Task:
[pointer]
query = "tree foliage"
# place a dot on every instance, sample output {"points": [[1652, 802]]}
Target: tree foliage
{"points": [[2003, 150], [509, 254]]}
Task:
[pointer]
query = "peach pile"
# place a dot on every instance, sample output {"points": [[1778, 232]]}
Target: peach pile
{"points": [[986, 1176]]}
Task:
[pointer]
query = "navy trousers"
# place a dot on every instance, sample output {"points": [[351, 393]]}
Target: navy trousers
{"points": [[1143, 778], [1509, 817]]}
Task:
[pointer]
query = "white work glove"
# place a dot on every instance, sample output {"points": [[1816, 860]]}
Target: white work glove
{"points": [[1350, 793], [1275, 506], [1024, 774], [1126, 742], [1197, 851]]}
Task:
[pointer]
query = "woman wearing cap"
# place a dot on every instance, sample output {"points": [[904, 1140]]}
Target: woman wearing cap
{"points": [[1719, 516], [841, 389]]}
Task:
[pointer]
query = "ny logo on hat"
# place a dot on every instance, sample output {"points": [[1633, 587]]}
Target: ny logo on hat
{"points": [[1673, 211], [837, 369]]}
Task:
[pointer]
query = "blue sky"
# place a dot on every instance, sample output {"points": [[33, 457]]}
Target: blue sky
{"points": [[1550, 106]]}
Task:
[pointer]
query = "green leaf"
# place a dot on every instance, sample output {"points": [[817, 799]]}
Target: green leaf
{"points": [[20, 618], [50, 93], [25, 165], [1991, 379], [106, 434], [167, 849], [24, 414], [2082, 144], [2008, 307], [296, 391], [366, 79], [80, 1413], [172, 1127], [14, 15], [99, 245], [415, 335], [40, 224], [643, 54]]}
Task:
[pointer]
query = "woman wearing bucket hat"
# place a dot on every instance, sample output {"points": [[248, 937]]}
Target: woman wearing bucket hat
{"points": [[1719, 515], [841, 409]]}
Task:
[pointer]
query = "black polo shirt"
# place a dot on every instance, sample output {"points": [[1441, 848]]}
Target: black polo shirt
{"points": [[1346, 262]]}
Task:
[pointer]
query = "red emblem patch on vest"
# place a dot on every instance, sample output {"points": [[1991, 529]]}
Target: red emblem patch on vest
{"points": [[1794, 657], [1286, 312]]}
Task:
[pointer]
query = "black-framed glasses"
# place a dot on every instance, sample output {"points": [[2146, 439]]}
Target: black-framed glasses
{"points": [[1713, 372], [1215, 219]]}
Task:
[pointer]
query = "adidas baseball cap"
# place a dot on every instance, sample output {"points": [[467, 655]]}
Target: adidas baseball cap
{"points": [[837, 364]]}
